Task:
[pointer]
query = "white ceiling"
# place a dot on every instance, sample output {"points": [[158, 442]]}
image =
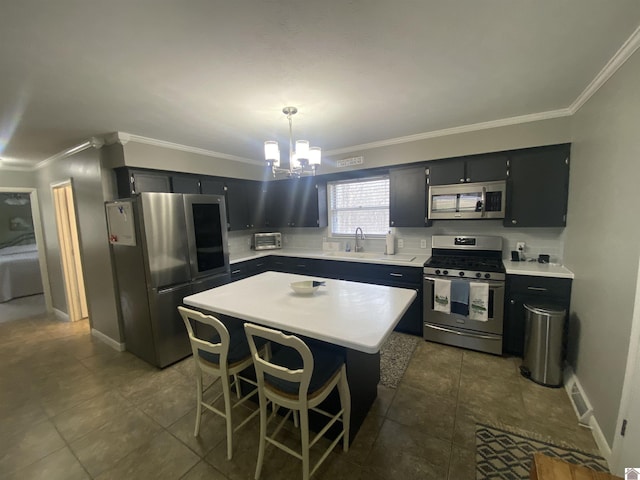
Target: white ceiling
{"points": [[215, 74]]}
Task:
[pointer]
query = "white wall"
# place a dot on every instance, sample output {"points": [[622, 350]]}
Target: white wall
{"points": [[603, 238]]}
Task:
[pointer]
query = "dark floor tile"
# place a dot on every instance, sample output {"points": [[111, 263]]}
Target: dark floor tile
{"points": [[162, 458], [462, 464], [407, 453], [212, 431], [167, 399], [90, 415], [27, 446], [101, 449], [419, 409], [60, 465], [204, 471]]}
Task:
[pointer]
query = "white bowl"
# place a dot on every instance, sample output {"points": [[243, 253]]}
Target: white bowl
{"points": [[305, 287]]}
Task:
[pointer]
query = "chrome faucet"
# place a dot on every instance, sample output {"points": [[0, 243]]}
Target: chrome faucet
{"points": [[358, 248]]}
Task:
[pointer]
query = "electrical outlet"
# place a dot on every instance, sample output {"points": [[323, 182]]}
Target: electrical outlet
{"points": [[520, 246], [423, 244], [400, 243]]}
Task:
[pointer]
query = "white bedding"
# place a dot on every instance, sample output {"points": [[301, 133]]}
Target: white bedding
{"points": [[19, 272]]}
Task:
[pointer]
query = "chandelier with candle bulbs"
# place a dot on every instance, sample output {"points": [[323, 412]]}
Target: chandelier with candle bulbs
{"points": [[303, 160]]}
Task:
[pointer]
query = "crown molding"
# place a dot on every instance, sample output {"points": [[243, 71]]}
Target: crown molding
{"points": [[504, 122], [622, 55], [124, 138], [93, 142]]}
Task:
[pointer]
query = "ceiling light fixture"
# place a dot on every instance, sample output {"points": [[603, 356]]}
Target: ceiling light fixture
{"points": [[304, 160]]}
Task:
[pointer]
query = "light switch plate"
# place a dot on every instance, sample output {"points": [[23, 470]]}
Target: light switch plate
{"points": [[400, 243], [423, 243]]}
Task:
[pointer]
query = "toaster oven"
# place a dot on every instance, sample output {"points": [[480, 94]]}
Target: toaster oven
{"points": [[266, 241]]}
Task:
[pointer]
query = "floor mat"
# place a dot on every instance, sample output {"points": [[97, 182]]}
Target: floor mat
{"points": [[503, 454], [394, 357]]}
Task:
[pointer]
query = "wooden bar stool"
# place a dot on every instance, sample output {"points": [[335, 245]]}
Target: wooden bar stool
{"points": [[224, 355], [298, 379]]}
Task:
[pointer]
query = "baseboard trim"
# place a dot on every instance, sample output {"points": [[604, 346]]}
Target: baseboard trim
{"points": [[119, 346], [60, 315], [571, 381], [601, 441]]}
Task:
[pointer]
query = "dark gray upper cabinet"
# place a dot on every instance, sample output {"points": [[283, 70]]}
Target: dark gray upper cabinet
{"points": [[245, 204], [476, 168], [538, 187], [446, 172], [297, 202], [408, 197], [136, 181], [212, 186], [185, 184]]}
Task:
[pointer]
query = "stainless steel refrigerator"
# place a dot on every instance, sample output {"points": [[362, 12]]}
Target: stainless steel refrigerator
{"points": [[165, 247]]}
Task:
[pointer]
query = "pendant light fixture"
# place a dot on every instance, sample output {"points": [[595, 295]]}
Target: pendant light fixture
{"points": [[303, 160]]}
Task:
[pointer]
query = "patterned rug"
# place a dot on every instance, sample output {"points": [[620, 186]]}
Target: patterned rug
{"points": [[394, 357], [502, 454]]}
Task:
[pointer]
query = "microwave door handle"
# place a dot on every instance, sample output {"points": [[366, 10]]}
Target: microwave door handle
{"points": [[484, 201]]}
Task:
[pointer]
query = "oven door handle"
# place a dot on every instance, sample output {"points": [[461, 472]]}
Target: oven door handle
{"points": [[463, 334], [495, 285]]}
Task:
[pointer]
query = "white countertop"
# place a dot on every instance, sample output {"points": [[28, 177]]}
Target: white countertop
{"points": [[350, 314], [407, 260], [401, 259], [537, 269]]}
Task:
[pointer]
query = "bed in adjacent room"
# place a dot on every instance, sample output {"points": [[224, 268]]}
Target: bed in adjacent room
{"points": [[19, 270]]}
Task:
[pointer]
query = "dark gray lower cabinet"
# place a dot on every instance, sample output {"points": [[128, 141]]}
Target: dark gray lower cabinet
{"points": [[248, 268], [523, 289]]}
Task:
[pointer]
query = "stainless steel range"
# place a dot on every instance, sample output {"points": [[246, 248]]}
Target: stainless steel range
{"points": [[460, 265]]}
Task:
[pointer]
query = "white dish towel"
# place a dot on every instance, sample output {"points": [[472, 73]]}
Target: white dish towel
{"points": [[442, 295], [478, 301]]}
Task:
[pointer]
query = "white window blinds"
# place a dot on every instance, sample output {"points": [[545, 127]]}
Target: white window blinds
{"points": [[360, 203]]}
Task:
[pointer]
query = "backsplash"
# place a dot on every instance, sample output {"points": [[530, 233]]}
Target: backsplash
{"points": [[548, 241]]}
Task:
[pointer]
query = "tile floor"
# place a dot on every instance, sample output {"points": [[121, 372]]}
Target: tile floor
{"points": [[73, 408]]}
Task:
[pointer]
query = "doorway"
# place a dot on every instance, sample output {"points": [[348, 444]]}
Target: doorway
{"points": [[64, 206], [626, 448]]}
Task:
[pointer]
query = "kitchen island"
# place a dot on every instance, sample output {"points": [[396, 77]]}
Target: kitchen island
{"points": [[355, 318]]}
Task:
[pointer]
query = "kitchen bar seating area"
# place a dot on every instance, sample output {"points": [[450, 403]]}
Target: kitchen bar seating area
{"points": [[82, 410]]}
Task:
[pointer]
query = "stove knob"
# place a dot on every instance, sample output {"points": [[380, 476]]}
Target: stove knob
{"points": [[478, 274], [438, 272], [445, 272], [461, 274], [487, 275]]}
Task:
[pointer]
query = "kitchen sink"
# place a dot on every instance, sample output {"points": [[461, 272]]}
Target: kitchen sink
{"points": [[370, 256]]}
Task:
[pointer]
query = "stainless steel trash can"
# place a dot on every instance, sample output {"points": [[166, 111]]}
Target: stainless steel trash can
{"points": [[544, 329]]}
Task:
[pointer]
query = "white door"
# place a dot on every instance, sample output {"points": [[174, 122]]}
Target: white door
{"points": [[626, 449]]}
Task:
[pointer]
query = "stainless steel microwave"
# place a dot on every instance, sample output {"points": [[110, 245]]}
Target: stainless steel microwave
{"points": [[266, 241], [467, 200]]}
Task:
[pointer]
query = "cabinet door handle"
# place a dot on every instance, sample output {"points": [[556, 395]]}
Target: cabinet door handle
{"points": [[468, 179], [235, 271], [396, 274], [537, 289], [514, 221], [462, 180]]}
